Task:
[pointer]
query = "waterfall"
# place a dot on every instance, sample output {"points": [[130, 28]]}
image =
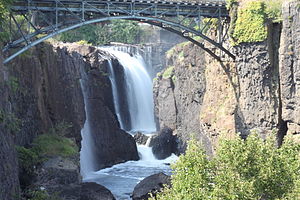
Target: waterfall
{"points": [[139, 92], [136, 90], [86, 153], [112, 79]]}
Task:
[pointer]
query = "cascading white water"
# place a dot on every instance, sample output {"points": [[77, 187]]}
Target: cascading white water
{"points": [[122, 178], [139, 92], [112, 79], [86, 155]]}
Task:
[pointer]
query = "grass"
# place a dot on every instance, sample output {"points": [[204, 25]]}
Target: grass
{"points": [[54, 145]]}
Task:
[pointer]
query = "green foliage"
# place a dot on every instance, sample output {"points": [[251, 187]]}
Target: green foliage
{"points": [[99, 34], [28, 159], [174, 78], [241, 170], [86, 33], [54, 145], [168, 72], [273, 10], [37, 194], [83, 42], [4, 7], [13, 84], [250, 23], [230, 3], [210, 24], [124, 31], [43, 147]]}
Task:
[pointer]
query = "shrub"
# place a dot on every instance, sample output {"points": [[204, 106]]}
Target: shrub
{"points": [[230, 3], [28, 158], [273, 10], [83, 42], [54, 145], [168, 72], [250, 23], [4, 6], [241, 170]]}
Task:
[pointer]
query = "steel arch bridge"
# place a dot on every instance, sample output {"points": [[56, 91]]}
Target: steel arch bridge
{"points": [[43, 19]]}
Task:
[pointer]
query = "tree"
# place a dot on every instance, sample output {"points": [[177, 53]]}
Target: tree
{"points": [[99, 34], [250, 169], [4, 7]]}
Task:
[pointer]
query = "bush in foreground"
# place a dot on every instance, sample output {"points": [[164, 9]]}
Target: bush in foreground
{"points": [[251, 169]]}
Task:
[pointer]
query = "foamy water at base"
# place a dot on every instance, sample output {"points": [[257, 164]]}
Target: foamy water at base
{"points": [[121, 179]]}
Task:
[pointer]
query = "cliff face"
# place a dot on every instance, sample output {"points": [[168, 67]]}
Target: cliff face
{"points": [[9, 187], [258, 92], [178, 93], [41, 89], [258, 101], [47, 91], [289, 66]]}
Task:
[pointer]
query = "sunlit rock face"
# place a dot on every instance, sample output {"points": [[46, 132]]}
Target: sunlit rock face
{"points": [[290, 67]]}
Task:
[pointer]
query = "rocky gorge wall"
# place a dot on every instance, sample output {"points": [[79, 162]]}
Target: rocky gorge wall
{"points": [[258, 92], [289, 68], [9, 188], [40, 90]]}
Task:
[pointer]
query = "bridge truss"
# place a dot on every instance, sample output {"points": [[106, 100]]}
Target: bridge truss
{"points": [[33, 21]]}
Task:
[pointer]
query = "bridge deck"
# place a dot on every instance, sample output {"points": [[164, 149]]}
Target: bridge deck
{"points": [[167, 8]]}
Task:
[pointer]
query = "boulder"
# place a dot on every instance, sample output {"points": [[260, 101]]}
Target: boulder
{"points": [[85, 191], [94, 191], [140, 138], [58, 173], [151, 184], [164, 144]]}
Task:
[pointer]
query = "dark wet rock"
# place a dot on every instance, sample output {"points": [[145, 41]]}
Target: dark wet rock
{"points": [[140, 138], [164, 144], [58, 173], [94, 191], [9, 181], [151, 184], [84, 191]]}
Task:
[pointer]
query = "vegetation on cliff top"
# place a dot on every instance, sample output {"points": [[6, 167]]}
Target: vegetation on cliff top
{"points": [[241, 170], [249, 18]]}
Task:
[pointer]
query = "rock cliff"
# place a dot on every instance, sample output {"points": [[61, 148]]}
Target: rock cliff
{"points": [[289, 66], [42, 89], [258, 92], [9, 187]]}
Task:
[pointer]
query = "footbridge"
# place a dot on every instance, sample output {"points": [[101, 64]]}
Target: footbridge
{"points": [[33, 21]]}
